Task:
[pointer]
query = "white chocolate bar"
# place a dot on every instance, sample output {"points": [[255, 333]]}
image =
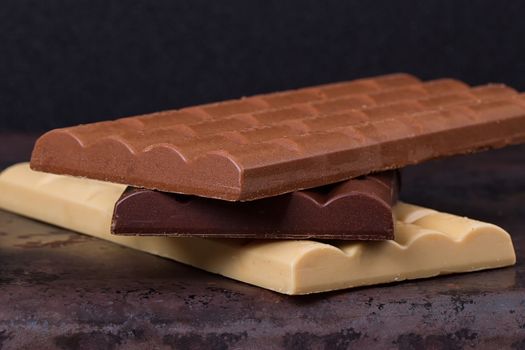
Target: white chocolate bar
{"points": [[428, 243]]}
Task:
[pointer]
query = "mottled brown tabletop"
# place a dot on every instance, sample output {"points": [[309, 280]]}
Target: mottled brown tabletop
{"points": [[61, 290]]}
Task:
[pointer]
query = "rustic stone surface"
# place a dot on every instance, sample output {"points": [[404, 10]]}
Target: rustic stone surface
{"points": [[61, 290]]}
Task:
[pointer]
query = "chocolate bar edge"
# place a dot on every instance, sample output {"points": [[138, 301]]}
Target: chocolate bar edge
{"points": [[137, 206]]}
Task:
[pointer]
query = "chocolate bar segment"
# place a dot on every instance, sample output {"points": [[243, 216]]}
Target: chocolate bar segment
{"points": [[427, 242], [267, 145], [357, 209]]}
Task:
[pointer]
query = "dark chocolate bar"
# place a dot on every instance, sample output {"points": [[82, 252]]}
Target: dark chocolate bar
{"points": [[266, 145], [357, 209]]}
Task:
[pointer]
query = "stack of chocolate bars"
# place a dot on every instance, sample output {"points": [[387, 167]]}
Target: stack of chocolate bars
{"points": [[291, 191]]}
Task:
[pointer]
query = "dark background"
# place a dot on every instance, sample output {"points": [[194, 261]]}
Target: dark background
{"points": [[69, 62]]}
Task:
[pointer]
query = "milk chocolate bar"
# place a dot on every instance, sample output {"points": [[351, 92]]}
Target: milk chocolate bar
{"points": [[271, 144], [356, 209], [428, 243]]}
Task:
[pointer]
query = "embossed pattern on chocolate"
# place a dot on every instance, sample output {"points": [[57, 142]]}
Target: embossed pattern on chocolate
{"points": [[266, 145]]}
